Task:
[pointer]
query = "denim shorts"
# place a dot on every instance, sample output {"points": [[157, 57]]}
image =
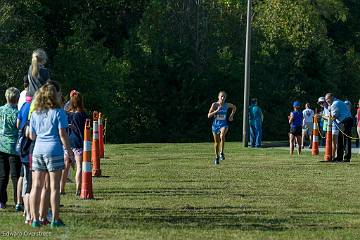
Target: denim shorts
{"points": [[45, 162], [27, 179]]}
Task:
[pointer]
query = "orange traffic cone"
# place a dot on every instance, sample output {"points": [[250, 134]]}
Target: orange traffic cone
{"points": [[315, 143], [101, 136], [95, 157], [328, 146], [86, 178]]}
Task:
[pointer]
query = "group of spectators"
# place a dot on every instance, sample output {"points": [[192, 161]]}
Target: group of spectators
{"points": [[41, 136], [331, 109]]}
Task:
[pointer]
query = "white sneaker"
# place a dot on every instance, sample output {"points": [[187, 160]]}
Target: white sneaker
{"points": [[27, 219]]}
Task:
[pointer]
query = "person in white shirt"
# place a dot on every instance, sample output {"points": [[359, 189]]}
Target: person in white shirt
{"points": [[22, 98], [307, 125]]}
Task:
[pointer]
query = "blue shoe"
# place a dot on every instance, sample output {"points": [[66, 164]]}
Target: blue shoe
{"points": [[35, 224], [222, 157], [49, 215], [2, 205], [57, 223], [216, 161], [19, 208]]}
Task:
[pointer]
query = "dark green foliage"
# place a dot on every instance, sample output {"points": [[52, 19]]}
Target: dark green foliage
{"points": [[20, 33], [153, 67]]}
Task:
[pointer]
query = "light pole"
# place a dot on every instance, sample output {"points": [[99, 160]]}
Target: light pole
{"points": [[247, 76]]}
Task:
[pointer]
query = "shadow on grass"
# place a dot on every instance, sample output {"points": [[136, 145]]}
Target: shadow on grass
{"points": [[228, 217], [275, 144], [206, 218], [136, 192], [102, 176]]}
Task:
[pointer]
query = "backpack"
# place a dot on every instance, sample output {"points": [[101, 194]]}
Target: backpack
{"points": [[23, 144]]}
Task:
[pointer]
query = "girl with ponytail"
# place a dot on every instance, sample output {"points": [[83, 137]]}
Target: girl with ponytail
{"points": [[38, 75]]}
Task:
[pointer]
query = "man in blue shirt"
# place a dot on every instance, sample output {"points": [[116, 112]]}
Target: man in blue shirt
{"points": [[343, 120], [255, 121]]}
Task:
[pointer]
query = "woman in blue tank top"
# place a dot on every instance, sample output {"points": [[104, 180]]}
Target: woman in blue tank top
{"points": [[220, 126], [295, 121]]}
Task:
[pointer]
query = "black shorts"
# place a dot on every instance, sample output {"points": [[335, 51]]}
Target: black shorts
{"points": [[22, 172], [296, 131]]}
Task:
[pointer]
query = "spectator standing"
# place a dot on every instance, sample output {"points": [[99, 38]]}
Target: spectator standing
{"points": [[295, 120], [10, 164], [256, 118], [48, 125], [343, 121], [38, 75], [307, 124], [22, 98]]}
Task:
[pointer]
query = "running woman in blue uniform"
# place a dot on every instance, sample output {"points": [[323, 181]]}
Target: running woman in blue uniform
{"points": [[220, 126]]}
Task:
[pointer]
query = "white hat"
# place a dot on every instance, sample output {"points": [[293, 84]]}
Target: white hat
{"points": [[321, 99]]}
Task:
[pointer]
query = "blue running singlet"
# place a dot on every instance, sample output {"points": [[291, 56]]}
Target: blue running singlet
{"points": [[297, 119], [220, 120]]}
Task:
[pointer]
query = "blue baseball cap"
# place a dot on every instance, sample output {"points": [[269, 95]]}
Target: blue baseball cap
{"points": [[296, 104]]}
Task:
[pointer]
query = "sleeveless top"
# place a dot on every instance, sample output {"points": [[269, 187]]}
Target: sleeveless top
{"points": [[297, 119], [220, 116]]}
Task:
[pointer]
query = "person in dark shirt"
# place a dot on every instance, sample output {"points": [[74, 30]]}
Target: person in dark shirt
{"points": [[295, 121], [76, 118], [38, 75]]}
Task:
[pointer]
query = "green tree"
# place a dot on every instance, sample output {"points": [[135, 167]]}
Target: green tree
{"points": [[20, 33]]}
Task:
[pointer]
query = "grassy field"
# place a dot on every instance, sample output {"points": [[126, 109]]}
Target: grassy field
{"points": [[173, 191]]}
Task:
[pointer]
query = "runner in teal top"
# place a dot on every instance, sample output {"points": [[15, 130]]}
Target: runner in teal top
{"points": [[220, 126]]}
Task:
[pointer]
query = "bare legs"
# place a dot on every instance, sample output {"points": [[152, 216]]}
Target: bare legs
{"points": [[78, 159], [55, 193], [37, 186], [216, 144], [334, 145], [306, 134], [219, 141], [223, 132], [65, 173], [292, 140], [45, 198], [19, 199], [42, 182]]}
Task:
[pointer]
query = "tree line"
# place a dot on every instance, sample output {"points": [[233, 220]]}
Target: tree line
{"points": [[153, 67]]}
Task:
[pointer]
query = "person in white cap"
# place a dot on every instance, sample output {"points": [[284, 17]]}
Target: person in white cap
{"points": [[342, 120]]}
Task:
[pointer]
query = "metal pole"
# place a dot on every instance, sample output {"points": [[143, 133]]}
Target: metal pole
{"points": [[247, 76]]}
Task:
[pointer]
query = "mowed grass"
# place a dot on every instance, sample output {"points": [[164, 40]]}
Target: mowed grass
{"points": [[173, 191]]}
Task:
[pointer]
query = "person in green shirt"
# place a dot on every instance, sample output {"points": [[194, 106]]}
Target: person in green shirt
{"points": [[9, 160]]}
